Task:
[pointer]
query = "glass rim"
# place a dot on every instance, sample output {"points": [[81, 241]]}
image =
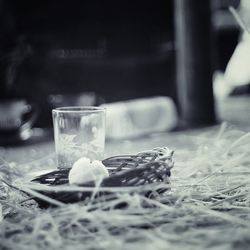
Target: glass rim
{"points": [[79, 109]]}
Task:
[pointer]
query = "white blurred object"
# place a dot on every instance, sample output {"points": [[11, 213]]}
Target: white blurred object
{"points": [[221, 87], [238, 69], [245, 10], [138, 117], [84, 170], [237, 72]]}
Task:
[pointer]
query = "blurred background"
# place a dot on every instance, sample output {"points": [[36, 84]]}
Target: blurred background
{"points": [[60, 53]]}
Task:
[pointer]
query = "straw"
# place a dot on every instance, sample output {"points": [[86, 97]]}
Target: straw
{"points": [[207, 205], [239, 20]]}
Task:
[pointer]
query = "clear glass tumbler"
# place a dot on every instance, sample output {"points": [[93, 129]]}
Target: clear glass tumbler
{"points": [[78, 132]]}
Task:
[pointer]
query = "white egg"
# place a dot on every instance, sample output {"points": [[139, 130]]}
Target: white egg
{"points": [[84, 170]]}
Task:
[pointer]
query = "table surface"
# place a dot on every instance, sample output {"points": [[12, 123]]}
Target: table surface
{"points": [[235, 111]]}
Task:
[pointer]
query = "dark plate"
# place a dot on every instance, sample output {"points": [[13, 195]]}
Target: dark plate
{"points": [[125, 172]]}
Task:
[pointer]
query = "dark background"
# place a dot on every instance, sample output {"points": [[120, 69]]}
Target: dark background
{"points": [[117, 50]]}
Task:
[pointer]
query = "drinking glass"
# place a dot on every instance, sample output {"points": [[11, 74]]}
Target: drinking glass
{"points": [[78, 132]]}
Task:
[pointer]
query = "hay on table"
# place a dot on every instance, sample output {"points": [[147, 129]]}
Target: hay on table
{"points": [[208, 206]]}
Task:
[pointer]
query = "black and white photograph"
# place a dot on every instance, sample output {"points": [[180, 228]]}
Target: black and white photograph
{"points": [[124, 124]]}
